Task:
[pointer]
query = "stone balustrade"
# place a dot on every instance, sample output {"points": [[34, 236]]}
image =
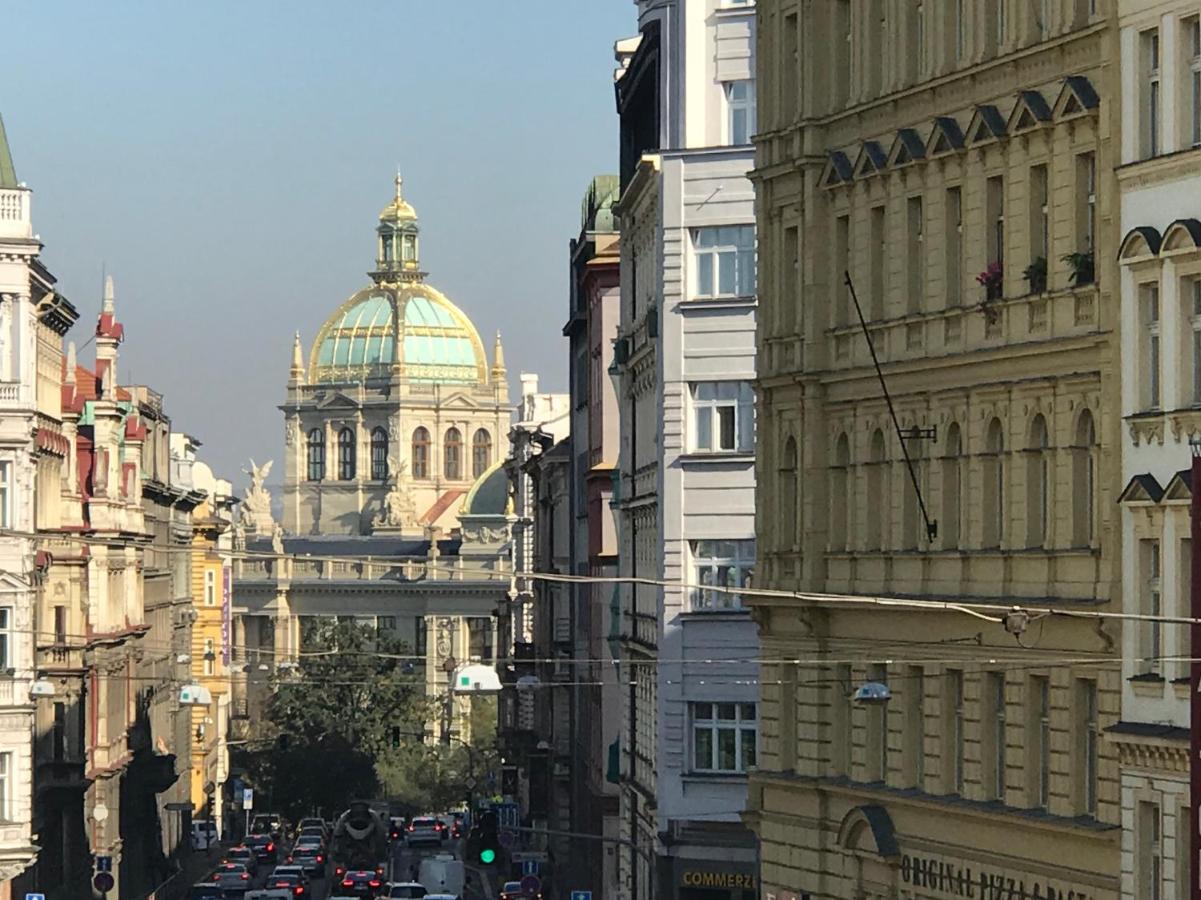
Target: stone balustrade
{"points": [[312, 568]]}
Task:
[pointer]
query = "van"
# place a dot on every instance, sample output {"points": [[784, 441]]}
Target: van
{"points": [[442, 874], [204, 834]]}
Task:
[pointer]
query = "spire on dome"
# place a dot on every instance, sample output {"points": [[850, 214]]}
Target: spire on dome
{"points": [[498, 359], [297, 359], [108, 306]]}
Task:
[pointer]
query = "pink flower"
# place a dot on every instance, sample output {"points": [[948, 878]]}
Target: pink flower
{"points": [[991, 276]]}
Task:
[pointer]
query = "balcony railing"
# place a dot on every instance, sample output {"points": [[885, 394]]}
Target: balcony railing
{"points": [[411, 569]]}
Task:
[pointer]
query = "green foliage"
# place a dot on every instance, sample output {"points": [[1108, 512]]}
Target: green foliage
{"points": [[1036, 274], [1082, 266]]}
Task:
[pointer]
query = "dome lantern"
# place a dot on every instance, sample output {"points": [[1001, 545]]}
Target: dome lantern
{"points": [[396, 257]]}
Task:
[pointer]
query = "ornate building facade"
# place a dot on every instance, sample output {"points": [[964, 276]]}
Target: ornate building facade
{"points": [[956, 160], [398, 397]]}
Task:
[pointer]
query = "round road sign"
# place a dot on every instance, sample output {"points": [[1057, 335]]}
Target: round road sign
{"points": [[531, 884], [507, 838], [103, 882]]}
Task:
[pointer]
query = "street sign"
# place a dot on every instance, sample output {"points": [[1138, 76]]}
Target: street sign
{"points": [[103, 882], [527, 856], [35, 897], [248, 798], [508, 838], [581, 895], [531, 884], [530, 867], [104, 863]]}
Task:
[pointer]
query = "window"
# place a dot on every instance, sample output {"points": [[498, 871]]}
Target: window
{"points": [[914, 260], [6, 787], [1184, 865], [840, 738], [1088, 736], [481, 452], [316, 455], [790, 277], [1000, 23], [1149, 114], [210, 657], [842, 264], [1038, 501], [6, 638], [877, 729], [840, 75], [1190, 297], [58, 735], [1039, 740], [789, 518], [790, 64], [740, 103], [723, 418], [952, 488], [994, 485], [60, 625], [995, 724], [915, 727], [379, 454], [953, 246], [419, 637], [1191, 28], [725, 261], [452, 455], [876, 248], [1086, 202], [879, 490], [953, 749], [960, 29], [6, 469], [210, 587], [918, 62], [409, 246], [1149, 303], [995, 214], [1044, 19], [345, 454], [1149, 863], [1084, 482], [421, 452], [385, 243], [1150, 645], [1039, 217], [841, 501], [724, 737], [722, 564]]}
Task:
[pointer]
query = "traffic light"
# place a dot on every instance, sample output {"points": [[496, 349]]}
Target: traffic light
{"points": [[488, 848]]}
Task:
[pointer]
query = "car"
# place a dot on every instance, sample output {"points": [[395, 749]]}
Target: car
{"points": [[441, 897], [244, 855], [404, 890], [317, 831], [268, 823], [360, 883], [270, 894], [206, 890], [311, 860], [263, 846], [304, 826], [288, 881], [425, 830], [512, 890], [308, 840], [287, 871], [204, 834], [231, 877]]}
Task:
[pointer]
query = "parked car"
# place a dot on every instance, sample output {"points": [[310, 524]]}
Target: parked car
{"points": [[425, 830], [263, 846], [204, 834], [405, 890], [360, 883]]}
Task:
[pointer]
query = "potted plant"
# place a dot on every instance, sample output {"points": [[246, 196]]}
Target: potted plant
{"points": [[1082, 267], [1036, 274], [992, 278]]}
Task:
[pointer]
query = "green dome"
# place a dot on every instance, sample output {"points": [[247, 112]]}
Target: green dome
{"points": [[437, 341], [489, 496]]}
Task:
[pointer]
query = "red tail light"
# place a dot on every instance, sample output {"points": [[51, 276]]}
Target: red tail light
{"points": [[374, 882], [347, 883], [320, 858], [270, 847], [412, 828], [245, 877]]}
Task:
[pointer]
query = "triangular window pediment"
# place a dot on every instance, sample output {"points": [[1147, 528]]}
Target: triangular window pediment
{"points": [[10, 584], [337, 400], [1178, 488], [1142, 489], [1076, 98]]}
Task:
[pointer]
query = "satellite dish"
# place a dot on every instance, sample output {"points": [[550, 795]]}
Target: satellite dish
{"points": [[476, 678]]}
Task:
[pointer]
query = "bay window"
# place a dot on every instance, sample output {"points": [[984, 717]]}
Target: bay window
{"points": [[724, 261]]}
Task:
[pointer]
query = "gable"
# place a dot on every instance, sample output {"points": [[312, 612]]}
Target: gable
{"points": [[945, 138], [336, 400], [871, 159], [987, 124], [1077, 97], [1179, 488], [1031, 111], [907, 147], [1141, 489], [838, 169], [460, 401]]}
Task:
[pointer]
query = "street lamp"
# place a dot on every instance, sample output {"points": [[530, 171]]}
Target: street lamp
{"points": [[872, 693]]}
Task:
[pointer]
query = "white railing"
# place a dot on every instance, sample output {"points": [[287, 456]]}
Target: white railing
{"points": [[446, 568], [14, 213], [10, 392]]}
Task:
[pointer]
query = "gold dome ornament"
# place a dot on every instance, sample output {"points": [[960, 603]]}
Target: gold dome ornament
{"points": [[399, 209]]}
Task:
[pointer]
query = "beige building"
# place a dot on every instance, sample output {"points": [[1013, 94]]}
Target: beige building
{"points": [[956, 159]]}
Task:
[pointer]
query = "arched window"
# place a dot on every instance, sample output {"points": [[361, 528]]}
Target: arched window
{"points": [[1038, 484], [421, 452], [452, 455], [994, 484], [346, 455], [840, 509], [385, 246], [481, 452], [788, 496], [952, 488], [379, 454], [1084, 482], [879, 494], [316, 454]]}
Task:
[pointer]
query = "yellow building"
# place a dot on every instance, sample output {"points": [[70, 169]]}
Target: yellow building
{"points": [[211, 590], [955, 158]]}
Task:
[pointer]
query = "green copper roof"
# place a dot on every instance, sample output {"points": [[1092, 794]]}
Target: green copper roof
{"points": [[8, 174]]}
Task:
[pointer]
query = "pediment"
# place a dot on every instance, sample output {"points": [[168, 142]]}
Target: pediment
{"points": [[1179, 487], [337, 400], [1030, 112], [987, 125], [838, 170], [11, 584], [907, 147], [1142, 488], [1076, 98], [946, 137], [871, 160], [460, 401], [1140, 243]]}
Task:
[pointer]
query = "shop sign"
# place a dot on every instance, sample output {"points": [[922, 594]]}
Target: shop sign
{"points": [[938, 878], [720, 879]]}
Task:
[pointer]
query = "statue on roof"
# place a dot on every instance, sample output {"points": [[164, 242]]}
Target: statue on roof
{"points": [[256, 505], [398, 509]]}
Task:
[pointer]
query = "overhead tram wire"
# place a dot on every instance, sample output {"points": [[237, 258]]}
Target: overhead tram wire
{"points": [[975, 609]]}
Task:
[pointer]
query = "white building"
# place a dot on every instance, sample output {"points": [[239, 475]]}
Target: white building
{"points": [[684, 363], [23, 283], [1160, 188]]}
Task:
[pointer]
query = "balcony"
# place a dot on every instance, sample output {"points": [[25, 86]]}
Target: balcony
{"points": [[395, 570], [14, 214]]}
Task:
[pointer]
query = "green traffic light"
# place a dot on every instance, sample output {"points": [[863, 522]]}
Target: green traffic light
{"points": [[487, 856]]}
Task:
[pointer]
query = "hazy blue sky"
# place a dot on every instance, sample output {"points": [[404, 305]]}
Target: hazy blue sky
{"points": [[226, 161]]}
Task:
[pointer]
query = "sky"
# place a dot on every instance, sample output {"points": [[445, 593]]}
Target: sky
{"points": [[226, 162]]}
